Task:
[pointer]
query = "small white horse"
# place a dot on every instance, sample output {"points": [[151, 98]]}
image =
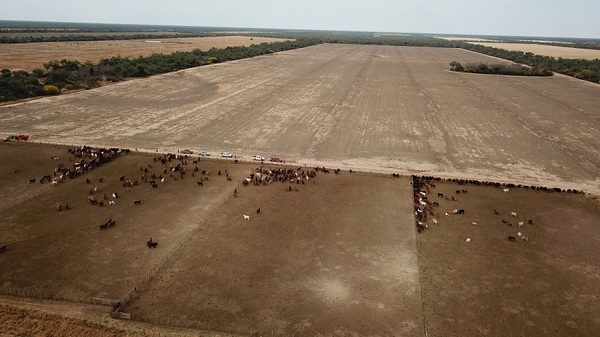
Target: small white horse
{"points": [[246, 217], [505, 190], [513, 214]]}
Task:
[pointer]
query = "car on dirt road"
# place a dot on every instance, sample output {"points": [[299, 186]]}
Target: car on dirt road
{"points": [[226, 155], [276, 160], [187, 151], [204, 153], [258, 158]]}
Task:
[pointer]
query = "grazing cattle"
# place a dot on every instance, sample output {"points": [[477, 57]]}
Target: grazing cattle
{"points": [[104, 226], [200, 183], [111, 202], [474, 223], [519, 234], [505, 190], [115, 195], [524, 238], [246, 217], [229, 179], [3, 249], [521, 223], [468, 240], [461, 211], [496, 212], [258, 211], [436, 204], [423, 194], [122, 178], [101, 203], [32, 181], [530, 222], [441, 195], [513, 214], [457, 191], [162, 180], [137, 202], [435, 222], [512, 238], [152, 244]]}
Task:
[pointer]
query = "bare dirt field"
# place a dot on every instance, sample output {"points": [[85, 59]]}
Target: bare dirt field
{"points": [[29, 56], [341, 255], [393, 109], [540, 49], [337, 255]]}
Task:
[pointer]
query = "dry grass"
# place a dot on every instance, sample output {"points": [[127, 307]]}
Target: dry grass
{"points": [[554, 51], [29, 56]]}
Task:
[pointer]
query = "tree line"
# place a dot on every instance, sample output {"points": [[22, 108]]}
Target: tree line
{"points": [[58, 76], [588, 70], [499, 69]]}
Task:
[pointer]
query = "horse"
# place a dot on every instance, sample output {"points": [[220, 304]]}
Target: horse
{"points": [[152, 244], [32, 181], [246, 217], [258, 211], [512, 238], [137, 202]]}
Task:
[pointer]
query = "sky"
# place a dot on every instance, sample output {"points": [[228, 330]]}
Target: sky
{"points": [[543, 18]]}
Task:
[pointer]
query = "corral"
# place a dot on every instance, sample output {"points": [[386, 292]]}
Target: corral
{"points": [[341, 255]]}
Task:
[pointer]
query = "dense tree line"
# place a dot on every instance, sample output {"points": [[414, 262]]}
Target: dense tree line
{"points": [[58, 76], [499, 69], [588, 70]]}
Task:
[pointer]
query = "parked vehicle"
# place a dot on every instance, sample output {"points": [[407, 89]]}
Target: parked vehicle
{"points": [[257, 157], [187, 151], [276, 160], [204, 153], [226, 155]]}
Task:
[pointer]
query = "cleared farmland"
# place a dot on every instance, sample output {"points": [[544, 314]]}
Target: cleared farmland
{"points": [[380, 108]]}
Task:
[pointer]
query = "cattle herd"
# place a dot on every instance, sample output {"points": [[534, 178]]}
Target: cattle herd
{"points": [[424, 208]]}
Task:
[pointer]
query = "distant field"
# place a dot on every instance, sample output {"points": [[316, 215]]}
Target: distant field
{"points": [[538, 49], [397, 109], [77, 33], [29, 56]]}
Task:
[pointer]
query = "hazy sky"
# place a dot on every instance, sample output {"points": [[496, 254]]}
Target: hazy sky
{"points": [[554, 18]]}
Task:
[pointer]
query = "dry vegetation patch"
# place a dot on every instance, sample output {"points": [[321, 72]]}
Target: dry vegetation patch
{"points": [[545, 50], [29, 56]]}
